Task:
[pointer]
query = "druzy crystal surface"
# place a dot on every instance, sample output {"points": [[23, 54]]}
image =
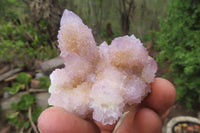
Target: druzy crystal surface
{"points": [[99, 80]]}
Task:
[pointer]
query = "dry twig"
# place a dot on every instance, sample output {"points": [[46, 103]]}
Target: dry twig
{"points": [[31, 121], [37, 90]]}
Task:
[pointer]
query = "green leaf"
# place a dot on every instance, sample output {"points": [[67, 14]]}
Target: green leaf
{"points": [[44, 82], [26, 124], [24, 78], [12, 115], [13, 121], [25, 101], [36, 113], [20, 123], [7, 89], [14, 106], [49, 106], [43, 23], [14, 89]]}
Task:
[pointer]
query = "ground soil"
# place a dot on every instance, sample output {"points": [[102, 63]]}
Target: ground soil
{"points": [[179, 109]]}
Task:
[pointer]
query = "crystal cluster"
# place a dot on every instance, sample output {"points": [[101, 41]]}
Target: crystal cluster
{"points": [[103, 80]]}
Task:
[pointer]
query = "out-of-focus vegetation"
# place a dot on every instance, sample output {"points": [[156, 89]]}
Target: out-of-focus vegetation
{"points": [[179, 43], [28, 32], [142, 19], [22, 45], [28, 29], [21, 42], [25, 112]]}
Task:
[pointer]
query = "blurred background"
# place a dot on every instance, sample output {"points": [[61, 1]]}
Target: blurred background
{"points": [[170, 30]]}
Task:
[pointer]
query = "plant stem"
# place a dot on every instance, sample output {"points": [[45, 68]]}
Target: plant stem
{"points": [[37, 90], [31, 121], [29, 130]]}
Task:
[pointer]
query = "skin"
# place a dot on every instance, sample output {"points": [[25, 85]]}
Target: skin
{"points": [[145, 118]]}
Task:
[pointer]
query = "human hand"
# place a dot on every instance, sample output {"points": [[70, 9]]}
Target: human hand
{"points": [[145, 118]]}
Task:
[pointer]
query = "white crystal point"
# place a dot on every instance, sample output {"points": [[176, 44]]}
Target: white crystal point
{"points": [[74, 36], [134, 89], [128, 52], [75, 101], [70, 17], [149, 70], [106, 102]]}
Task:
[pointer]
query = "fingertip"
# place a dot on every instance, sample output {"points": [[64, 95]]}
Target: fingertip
{"points": [[53, 120], [147, 121], [45, 120], [162, 96], [58, 120], [161, 82]]}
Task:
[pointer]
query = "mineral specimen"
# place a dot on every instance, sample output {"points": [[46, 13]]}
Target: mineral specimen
{"points": [[103, 80]]}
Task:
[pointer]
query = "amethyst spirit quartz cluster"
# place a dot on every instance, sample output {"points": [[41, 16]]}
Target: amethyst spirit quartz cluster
{"points": [[99, 80]]}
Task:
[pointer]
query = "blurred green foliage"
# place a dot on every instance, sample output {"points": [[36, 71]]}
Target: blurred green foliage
{"points": [[14, 120], [36, 113], [22, 45], [24, 78], [11, 10], [44, 82], [24, 103], [14, 89], [143, 19], [22, 42], [179, 42], [19, 118]]}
